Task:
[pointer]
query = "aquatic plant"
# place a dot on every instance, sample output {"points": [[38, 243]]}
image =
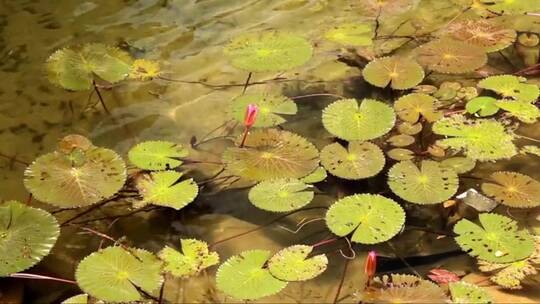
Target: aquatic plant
{"points": [[513, 189], [353, 34], [463, 292], [194, 258], [400, 73], [280, 195], [157, 155], [451, 56], [484, 33], [359, 160], [404, 288], [271, 108]]}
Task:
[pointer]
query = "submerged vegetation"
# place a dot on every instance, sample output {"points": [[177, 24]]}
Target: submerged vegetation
{"points": [[403, 151]]}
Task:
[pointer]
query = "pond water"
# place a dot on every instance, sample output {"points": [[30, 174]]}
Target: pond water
{"points": [[189, 101]]}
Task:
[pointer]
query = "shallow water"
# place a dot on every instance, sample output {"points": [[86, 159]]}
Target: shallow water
{"points": [[186, 37]]}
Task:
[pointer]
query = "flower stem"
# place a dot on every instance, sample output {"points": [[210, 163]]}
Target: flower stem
{"points": [[22, 275]]}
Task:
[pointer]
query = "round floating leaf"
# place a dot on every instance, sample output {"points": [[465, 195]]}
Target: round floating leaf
{"points": [[68, 69], [244, 276], [354, 34], [459, 164], [511, 7], [164, 188], [26, 235], [483, 106], [496, 240], [513, 189], [359, 160], [373, 218], [402, 288], [463, 292], [64, 181], [315, 177], [270, 154], [268, 51], [109, 63], [400, 72], [194, 258], [292, 264], [271, 108], [524, 111], [78, 299], [157, 155], [143, 69], [400, 154], [451, 56], [348, 121], [409, 128], [409, 108], [510, 86], [431, 184], [115, 274], [481, 139], [401, 140], [280, 195], [483, 33]]}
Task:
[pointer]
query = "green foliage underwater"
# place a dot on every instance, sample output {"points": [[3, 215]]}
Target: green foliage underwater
{"points": [[270, 151]]}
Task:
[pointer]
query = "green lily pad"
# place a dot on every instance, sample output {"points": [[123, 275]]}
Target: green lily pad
{"points": [[353, 34], [316, 176], [143, 69], [360, 160], [511, 7], [373, 218], [164, 188], [510, 86], [280, 195], [403, 288], [480, 139], [268, 51], [513, 189], [400, 154], [271, 154], [157, 155], [400, 73], [349, 121], [58, 179], [432, 183], [245, 277], [483, 106], [26, 235], [451, 56], [463, 292], [524, 111], [409, 128], [194, 257], [78, 299], [270, 108], [459, 164], [401, 140], [292, 264], [484, 33], [496, 240], [411, 106], [115, 274]]}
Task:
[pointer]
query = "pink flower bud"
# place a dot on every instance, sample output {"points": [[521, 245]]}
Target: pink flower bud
{"points": [[251, 115], [370, 266]]}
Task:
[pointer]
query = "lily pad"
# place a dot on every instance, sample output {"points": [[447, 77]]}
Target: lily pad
{"points": [[280, 195], [511, 7], [432, 183], [353, 34], [244, 276], [409, 128], [271, 154], [510, 86], [26, 235], [497, 239], [480, 139], [524, 111], [270, 108], [157, 155], [400, 154], [451, 56], [483, 33], [373, 218], [360, 160], [483, 106], [459, 164], [115, 274], [194, 257], [57, 178], [268, 51], [463, 292], [411, 106], [401, 140], [513, 189], [400, 73], [350, 121], [164, 188], [292, 264], [316, 176], [402, 288], [78, 299], [143, 69]]}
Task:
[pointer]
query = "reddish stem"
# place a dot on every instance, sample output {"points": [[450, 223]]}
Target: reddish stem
{"points": [[244, 137], [39, 277], [324, 242]]}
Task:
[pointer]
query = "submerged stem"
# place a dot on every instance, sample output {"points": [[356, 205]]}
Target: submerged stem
{"points": [[528, 138], [343, 274], [22, 275], [101, 98]]}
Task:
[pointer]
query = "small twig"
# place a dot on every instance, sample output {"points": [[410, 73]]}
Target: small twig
{"points": [[247, 83], [162, 290], [528, 138], [97, 206], [22, 275], [100, 98], [301, 225], [324, 242], [344, 273], [15, 160]]}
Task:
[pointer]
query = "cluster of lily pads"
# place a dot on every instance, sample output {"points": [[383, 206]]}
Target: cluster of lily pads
{"points": [[422, 142]]}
